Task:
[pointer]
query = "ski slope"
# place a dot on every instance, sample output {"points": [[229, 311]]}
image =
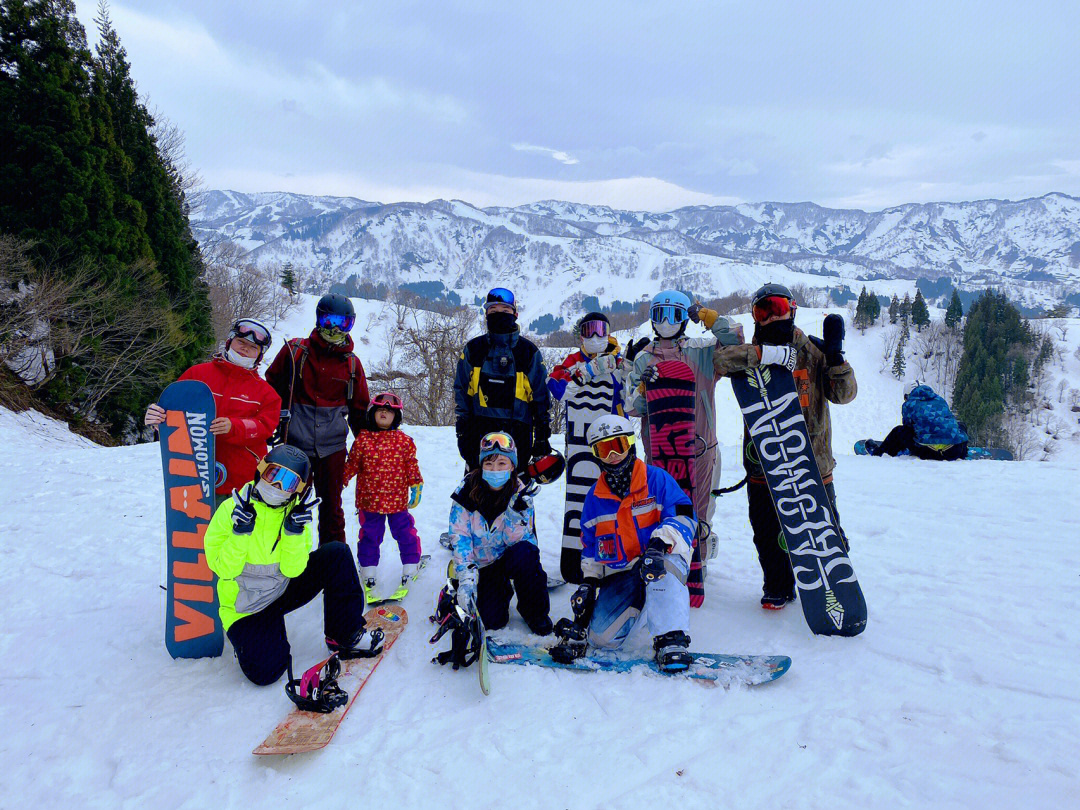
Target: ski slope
{"points": [[964, 690]]}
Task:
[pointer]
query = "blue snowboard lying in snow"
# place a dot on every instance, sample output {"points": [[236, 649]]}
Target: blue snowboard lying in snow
{"points": [[863, 447], [723, 669]]}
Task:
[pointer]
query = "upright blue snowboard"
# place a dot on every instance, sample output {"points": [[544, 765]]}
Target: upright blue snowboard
{"points": [[829, 593], [723, 669], [192, 624]]}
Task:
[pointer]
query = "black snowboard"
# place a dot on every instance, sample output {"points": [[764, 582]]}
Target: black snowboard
{"points": [[831, 598]]}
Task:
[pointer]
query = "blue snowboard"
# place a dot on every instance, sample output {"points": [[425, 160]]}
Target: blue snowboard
{"points": [[863, 447], [723, 669], [830, 595], [192, 624]]}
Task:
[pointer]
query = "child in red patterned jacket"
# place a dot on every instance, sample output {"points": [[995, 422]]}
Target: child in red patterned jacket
{"points": [[388, 485]]}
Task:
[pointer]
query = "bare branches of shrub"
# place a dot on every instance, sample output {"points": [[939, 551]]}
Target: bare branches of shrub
{"points": [[241, 289]]}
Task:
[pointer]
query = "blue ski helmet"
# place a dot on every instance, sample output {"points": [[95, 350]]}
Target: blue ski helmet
{"points": [[668, 313]]}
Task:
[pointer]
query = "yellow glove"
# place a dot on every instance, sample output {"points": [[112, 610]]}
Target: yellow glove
{"points": [[703, 315], [415, 491]]}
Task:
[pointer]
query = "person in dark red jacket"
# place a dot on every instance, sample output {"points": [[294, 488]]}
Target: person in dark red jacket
{"points": [[325, 392], [247, 408]]}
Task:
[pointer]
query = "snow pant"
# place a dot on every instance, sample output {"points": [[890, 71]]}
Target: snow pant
{"points": [[517, 570], [769, 538], [261, 645], [625, 600], [901, 441], [403, 529], [329, 472]]}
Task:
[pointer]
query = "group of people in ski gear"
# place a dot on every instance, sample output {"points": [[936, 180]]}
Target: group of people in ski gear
{"points": [[640, 534]]}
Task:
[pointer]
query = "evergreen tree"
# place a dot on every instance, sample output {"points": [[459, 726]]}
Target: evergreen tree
{"points": [[288, 278], [905, 309], [899, 366], [920, 314], [862, 318], [955, 313], [894, 309], [873, 308]]}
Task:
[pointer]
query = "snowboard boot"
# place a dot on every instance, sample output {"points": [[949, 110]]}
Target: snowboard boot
{"points": [[543, 627], [776, 602], [367, 575], [573, 642], [362, 644], [671, 651]]}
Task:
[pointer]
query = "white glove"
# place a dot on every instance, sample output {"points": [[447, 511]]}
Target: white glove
{"points": [[785, 356], [671, 538], [466, 595], [591, 569]]}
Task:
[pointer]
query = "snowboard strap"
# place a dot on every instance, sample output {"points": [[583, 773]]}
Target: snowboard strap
{"points": [[317, 689]]}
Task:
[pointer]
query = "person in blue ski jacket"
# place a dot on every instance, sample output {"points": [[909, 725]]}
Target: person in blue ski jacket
{"points": [[637, 531], [928, 429]]}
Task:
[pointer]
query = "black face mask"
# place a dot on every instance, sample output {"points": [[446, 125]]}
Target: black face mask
{"points": [[618, 475], [501, 323], [776, 333]]}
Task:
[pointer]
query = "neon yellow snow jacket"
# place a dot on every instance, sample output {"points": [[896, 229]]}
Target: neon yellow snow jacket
{"points": [[253, 569]]}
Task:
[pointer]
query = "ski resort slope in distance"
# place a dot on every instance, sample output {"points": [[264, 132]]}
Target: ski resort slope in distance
{"points": [[964, 691]]}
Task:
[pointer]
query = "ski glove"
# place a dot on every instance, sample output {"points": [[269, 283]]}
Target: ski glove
{"points": [[651, 374], [466, 595], [633, 349], [243, 513], [599, 366], [785, 356], [301, 516], [541, 447], [703, 315], [652, 564], [832, 335], [415, 492]]}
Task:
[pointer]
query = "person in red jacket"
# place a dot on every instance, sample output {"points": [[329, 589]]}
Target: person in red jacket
{"points": [[325, 392], [388, 485], [247, 408]]}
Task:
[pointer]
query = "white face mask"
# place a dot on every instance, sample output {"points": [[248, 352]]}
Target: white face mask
{"points": [[594, 345], [667, 330], [271, 495], [238, 359]]}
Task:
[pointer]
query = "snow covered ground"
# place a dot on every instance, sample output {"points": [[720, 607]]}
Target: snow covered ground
{"points": [[964, 690]]}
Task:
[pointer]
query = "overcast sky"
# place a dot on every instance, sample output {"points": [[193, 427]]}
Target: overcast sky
{"points": [[647, 105]]}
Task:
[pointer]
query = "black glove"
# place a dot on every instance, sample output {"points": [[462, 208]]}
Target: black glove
{"points": [[301, 516], [693, 310], [243, 513], [465, 450], [650, 374], [832, 335], [652, 564], [541, 447], [282, 429], [633, 349]]}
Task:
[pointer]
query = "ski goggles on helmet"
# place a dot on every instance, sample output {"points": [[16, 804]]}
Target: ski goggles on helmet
{"points": [[500, 295], [615, 444], [334, 320], [253, 331], [387, 399], [595, 328], [282, 478], [772, 306], [497, 441], [671, 313]]}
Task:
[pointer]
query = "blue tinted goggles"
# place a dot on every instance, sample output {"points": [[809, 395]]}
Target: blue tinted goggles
{"points": [[668, 312]]}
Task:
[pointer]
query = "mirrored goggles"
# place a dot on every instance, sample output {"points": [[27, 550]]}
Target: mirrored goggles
{"points": [[616, 444], [282, 477], [332, 320], [500, 295], [253, 331], [387, 399], [668, 312], [496, 441], [590, 329], [772, 306]]}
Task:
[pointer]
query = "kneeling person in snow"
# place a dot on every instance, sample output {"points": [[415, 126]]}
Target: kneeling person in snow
{"points": [[259, 545], [388, 485], [493, 537], [928, 429], [637, 527]]}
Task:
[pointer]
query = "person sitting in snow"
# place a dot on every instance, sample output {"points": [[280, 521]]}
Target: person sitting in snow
{"points": [[637, 528], [928, 429], [259, 545], [388, 485], [493, 539]]}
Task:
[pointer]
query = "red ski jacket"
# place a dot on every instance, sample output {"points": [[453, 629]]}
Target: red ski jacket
{"points": [[251, 405], [384, 463], [325, 390]]}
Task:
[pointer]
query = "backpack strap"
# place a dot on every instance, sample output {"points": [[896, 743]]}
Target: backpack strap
{"points": [[352, 378]]}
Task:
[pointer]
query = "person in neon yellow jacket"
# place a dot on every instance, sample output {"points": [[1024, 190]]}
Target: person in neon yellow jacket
{"points": [[259, 545]]}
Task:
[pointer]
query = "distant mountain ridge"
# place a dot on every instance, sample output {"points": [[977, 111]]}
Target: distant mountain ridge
{"points": [[559, 252]]}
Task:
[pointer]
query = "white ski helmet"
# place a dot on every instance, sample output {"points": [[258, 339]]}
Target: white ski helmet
{"points": [[609, 426]]}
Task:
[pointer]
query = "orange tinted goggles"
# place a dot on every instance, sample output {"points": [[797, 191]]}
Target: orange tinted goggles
{"points": [[616, 444]]}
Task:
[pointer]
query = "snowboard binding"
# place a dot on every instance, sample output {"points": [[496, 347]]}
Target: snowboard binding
{"points": [[317, 689], [464, 628]]}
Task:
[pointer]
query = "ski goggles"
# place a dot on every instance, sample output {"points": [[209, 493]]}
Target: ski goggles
{"points": [[500, 295], [668, 312], [387, 399], [282, 477], [590, 329], [253, 331], [497, 441], [616, 444], [332, 320], [772, 306]]}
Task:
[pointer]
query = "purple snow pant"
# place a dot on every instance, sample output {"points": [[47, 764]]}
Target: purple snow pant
{"points": [[402, 527]]}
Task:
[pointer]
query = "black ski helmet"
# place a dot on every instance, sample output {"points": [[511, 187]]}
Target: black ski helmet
{"points": [[291, 458], [765, 290], [546, 469], [335, 304]]}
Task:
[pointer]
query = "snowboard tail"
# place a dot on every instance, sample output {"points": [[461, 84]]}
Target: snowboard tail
{"points": [[192, 624], [830, 595], [304, 731]]}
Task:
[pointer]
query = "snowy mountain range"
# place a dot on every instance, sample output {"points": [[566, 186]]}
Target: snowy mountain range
{"points": [[556, 253]]}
